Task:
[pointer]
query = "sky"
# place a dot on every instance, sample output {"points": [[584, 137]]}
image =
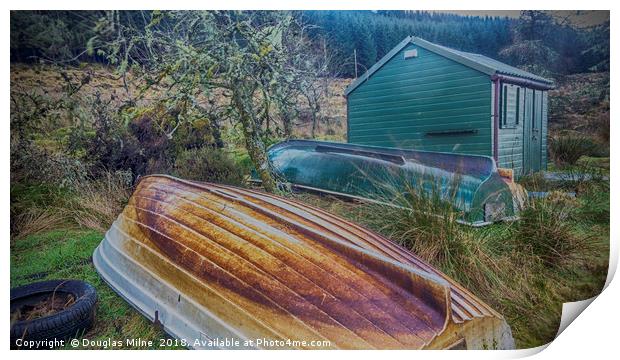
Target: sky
{"points": [[578, 17]]}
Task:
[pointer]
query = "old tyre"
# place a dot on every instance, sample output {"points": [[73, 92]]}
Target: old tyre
{"points": [[71, 321]]}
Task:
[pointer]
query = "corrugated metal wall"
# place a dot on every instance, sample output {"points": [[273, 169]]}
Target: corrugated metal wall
{"points": [[421, 103]]}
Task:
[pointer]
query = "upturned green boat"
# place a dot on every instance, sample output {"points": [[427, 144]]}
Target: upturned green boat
{"points": [[470, 182]]}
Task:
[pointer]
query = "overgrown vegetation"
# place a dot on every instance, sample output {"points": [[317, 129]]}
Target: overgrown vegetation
{"points": [[208, 164], [74, 160], [424, 220], [544, 232]]}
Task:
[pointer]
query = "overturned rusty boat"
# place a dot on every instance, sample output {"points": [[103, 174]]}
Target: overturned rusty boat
{"points": [[470, 182], [224, 267]]}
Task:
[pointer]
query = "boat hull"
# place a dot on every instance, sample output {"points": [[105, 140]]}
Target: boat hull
{"points": [[470, 183], [223, 267]]}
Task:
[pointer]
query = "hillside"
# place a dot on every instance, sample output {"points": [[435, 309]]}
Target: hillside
{"points": [[579, 103]]}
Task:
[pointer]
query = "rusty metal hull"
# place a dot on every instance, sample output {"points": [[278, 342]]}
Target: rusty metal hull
{"points": [[223, 267]]}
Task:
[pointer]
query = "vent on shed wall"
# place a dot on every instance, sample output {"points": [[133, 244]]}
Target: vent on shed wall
{"points": [[413, 53]]}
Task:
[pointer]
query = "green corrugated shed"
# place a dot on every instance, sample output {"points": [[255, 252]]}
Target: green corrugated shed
{"points": [[426, 96]]}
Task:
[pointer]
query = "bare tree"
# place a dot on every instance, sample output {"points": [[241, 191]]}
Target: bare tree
{"points": [[314, 86], [251, 60]]}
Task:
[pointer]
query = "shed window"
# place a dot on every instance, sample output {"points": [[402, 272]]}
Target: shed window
{"points": [[510, 106]]}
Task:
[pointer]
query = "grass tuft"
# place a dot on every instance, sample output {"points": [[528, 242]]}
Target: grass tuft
{"points": [[567, 149], [35, 221], [90, 204], [95, 204], [424, 220], [545, 232]]}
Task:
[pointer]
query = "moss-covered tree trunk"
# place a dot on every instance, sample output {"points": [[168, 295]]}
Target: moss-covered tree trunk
{"points": [[253, 141], [287, 123], [315, 120], [216, 133]]}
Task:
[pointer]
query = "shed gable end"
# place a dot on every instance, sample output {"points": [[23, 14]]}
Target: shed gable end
{"points": [[424, 102]]}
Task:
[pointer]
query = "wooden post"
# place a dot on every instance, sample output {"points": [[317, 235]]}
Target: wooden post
{"points": [[355, 60]]}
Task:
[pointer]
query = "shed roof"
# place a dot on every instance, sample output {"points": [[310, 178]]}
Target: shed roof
{"points": [[479, 62]]}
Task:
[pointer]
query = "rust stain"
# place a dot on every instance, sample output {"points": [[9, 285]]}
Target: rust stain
{"points": [[274, 267]]}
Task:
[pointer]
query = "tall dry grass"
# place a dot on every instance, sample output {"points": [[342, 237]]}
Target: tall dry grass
{"points": [[525, 269], [36, 220], [92, 203], [545, 232], [97, 203], [424, 219]]}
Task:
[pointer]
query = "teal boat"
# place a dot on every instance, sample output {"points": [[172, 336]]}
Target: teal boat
{"points": [[470, 182]]}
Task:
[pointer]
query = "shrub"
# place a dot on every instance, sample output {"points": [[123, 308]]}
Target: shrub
{"points": [[149, 128], [111, 145], [567, 149], [33, 164], [208, 164], [242, 159], [159, 134]]}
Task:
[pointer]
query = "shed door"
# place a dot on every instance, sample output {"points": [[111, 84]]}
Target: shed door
{"points": [[533, 132]]}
